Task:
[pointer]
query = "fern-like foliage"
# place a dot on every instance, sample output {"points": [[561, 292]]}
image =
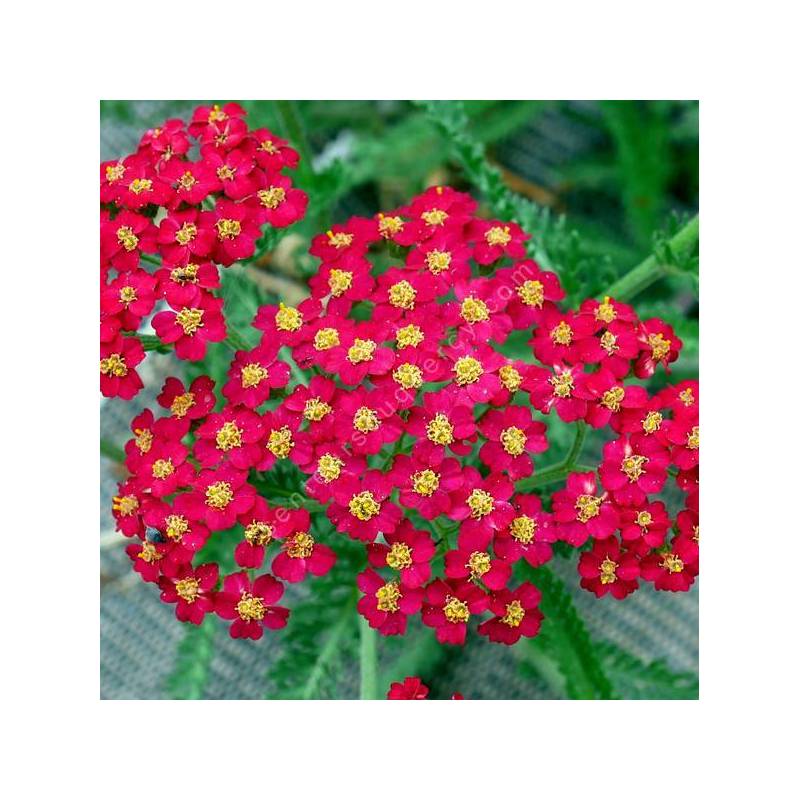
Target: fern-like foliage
{"points": [[565, 641], [322, 636], [191, 670], [553, 244]]}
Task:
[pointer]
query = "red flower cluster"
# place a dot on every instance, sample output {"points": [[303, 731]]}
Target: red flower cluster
{"points": [[413, 688], [187, 214], [415, 419]]}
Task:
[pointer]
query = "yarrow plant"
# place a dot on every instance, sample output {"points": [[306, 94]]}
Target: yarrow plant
{"points": [[390, 391]]}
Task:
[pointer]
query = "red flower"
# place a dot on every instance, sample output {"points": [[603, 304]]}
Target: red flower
{"points": [[633, 469], [164, 469], [345, 241], [555, 341], [316, 403], [442, 421], [177, 524], [400, 291], [477, 566], [442, 209], [192, 327], [367, 420], [301, 553], [282, 440], [448, 607], [220, 496], [409, 689], [361, 356], [147, 558], [407, 550], [495, 239], [529, 535], [516, 614], [560, 388], [190, 181], [386, 605], [427, 487], [124, 238], [253, 374], [605, 569], [673, 570], [529, 290], [482, 504], [286, 324], [207, 120], [361, 507], [512, 436], [474, 370], [684, 434], [446, 257], [183, 285], [163, 143], [118, 357], [186, 236], [480, 312], [278, 203], [273, 153], [646, 523], [659, 345], [142, 186], [232, 435], [187, 405], [131, 296], [251, 606], [191, 590], [581, 511], [608, 397], [127, 508], [237, 231]]}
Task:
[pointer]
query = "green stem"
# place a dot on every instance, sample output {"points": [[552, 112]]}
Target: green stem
{"points": [[368, 660], [651, 269], [112, 451], [295, 132], [236, 341], [558, 472], [150, 259], [150, 342]]}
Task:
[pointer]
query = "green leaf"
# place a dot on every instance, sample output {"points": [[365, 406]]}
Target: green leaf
{"points": [[189, 675]]}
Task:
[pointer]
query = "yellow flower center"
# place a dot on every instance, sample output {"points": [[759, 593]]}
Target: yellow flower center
{"points": [[125, 505], [402, 295], [409, 336], [361, 350], [425, 482], [258, 534], [186, 233], [409, 376], [480, 503], [301, 546], [219, 494], [388, 595], [389, 226], [609, 343], [531, 293], [228, 228], [316, 409], [438, 261], [605, 312], [659, 345], [561, 334], [672, 563], [163, 468], [513, 440], [687, 396], [149, 553], [184, 275], [479, 564], [253, 374], [226, 173], [613, 398], [562, 384], [114, 365], [633, 467], [188, 589], [339, 281], [693, 439], [187, 180], [329, 467], [498, 236], [440, 430], [363, 506], [399, 556], [467, 370], [587, 506], [139, 185], [608, 571], [144, 439], [176, 525], [523, 529], [288, 318], [268, 147], [250, 607], [181, 404], [340, 240], [127, 238], [127, 294], [272, 197], [216, 114], [190, 319], [455, 610], [510, 377], [435, 216], [473, 309], [228, 437], [652, 422], [644, 518], [515, 613], [114, 172], [366, 420], [325, 338], [280, 442]]}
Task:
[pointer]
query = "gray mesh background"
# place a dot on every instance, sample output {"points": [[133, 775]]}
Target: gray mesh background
{"points": [[139, 634]]}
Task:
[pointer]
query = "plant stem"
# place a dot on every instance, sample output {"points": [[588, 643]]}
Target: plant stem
{"points": [[149, 342], [295, 132], [368, 660], [150, 259], [651, 269], [112, 451], [558, 472]]}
